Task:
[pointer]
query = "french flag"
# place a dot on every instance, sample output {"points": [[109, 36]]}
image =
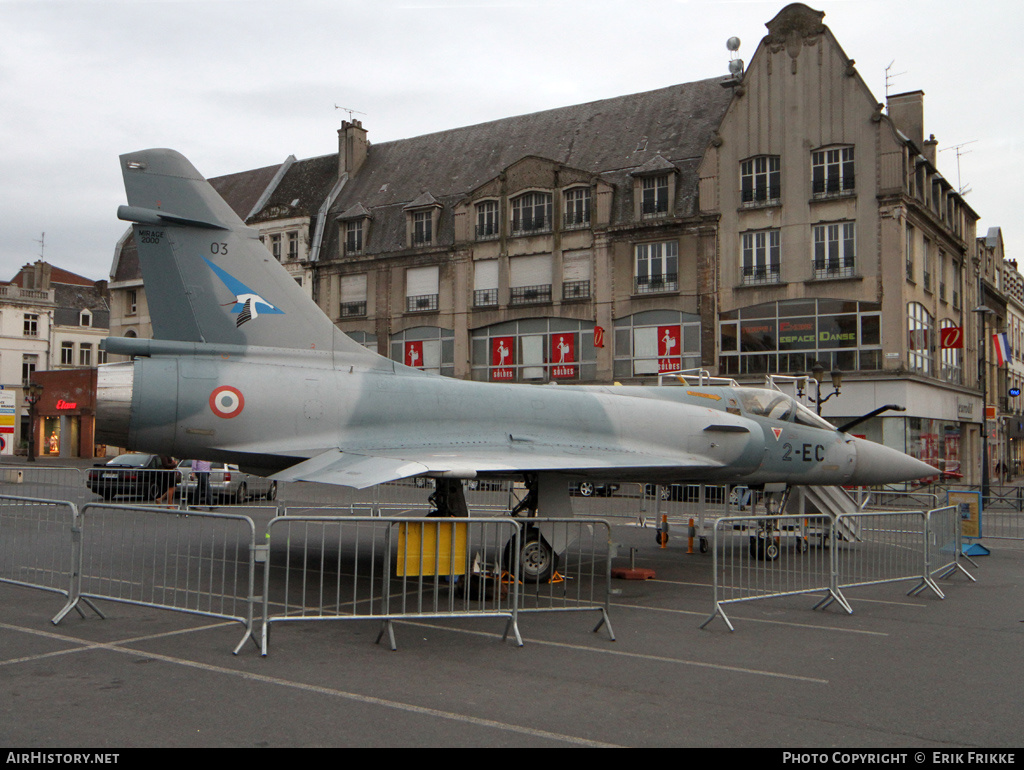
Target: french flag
{"points": [[1001, 342]]}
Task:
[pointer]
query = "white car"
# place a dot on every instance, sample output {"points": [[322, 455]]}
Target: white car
{"points": [[227, 483]]}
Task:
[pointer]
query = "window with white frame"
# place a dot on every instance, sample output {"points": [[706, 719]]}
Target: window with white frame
{"points": [[835, 250], [488, 220], [530, 279], [85, 354], [577, 267], [832, 172], [760, 180], [422, 228], [131, 302], [656, 267], [485, 283], [67, 353], [421, 289], [577, 208], [656, 342], [293, 245], [354, 236], [31, 325], [920, 343], [275, 246], [531, 213], [353, 296], [85, 318], [761, 256], [29, 361], [954, 283], [654, 196]]}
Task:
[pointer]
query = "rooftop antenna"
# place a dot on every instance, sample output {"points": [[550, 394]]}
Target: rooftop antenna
{"points": [[349, 111], [889, 76], [960, 188], [42, 246]]}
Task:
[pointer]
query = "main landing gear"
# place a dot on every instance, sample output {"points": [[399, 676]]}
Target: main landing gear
{"points": [[538, 561]]}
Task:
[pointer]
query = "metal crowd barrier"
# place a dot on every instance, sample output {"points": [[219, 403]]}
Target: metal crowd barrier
{"points": [[41, 481], [581, 569], [199, 563], [38, 543], [370, 568], [777, 556]]}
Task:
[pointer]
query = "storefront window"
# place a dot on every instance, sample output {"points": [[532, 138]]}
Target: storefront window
{"points": [[657, 342], [429, 348], [788, 337], [535, 350]]}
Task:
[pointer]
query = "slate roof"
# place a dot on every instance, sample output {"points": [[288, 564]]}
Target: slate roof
{"points": [[610, 138]]}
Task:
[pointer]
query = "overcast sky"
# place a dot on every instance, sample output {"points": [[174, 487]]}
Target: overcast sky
{"points": [[240, 84]]}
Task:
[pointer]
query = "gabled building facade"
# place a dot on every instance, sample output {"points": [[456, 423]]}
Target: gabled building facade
{"points": [[841, 244]]}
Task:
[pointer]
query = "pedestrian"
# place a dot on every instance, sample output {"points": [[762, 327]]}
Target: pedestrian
{"points": [[201, 468]]}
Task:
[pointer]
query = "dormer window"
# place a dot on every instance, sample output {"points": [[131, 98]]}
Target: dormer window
{"points": [[531, 213], [488, 220], [354, 237], [421, 221], [85, 319], [577, 208], [654, 202]]}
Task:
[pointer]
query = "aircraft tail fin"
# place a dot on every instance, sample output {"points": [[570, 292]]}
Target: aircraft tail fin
{"points": [[208, 277]]}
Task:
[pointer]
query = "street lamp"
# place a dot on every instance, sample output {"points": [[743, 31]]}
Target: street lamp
{"points": [[818, 373], [33, 393], [982, 311]]}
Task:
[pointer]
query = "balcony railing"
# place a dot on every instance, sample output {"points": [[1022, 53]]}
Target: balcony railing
{"points": [[652, 284], [761, 274], [834, 268], [353, 309], [833, 187], [485, 298], [761, 196], [527, 225], [487, 232], [575, 289], [421, 303], [529, 295]]}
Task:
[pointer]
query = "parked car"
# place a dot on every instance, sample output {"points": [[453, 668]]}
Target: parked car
{"points": [[136, 476], [227, 483], [590, 489]]}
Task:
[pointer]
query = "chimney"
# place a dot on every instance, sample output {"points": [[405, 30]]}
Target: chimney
{"points": [[907, 112], [352, 147], [929, 148]]}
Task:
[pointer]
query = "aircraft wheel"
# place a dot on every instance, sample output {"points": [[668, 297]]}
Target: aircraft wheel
{"points": [[242, 494], [703, 545], [764, 548], [801, 545], [272, 492], [537, 559]]}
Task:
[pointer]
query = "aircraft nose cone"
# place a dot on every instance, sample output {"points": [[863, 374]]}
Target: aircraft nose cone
{"points": [[877, 464]]}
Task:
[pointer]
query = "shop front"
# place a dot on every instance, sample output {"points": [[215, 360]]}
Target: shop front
{"points": [[65, 414]]}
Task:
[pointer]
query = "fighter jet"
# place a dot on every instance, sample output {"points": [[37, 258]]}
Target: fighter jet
{"points": [[285, 392]]}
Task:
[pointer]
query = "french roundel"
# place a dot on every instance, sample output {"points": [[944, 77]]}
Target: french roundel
{"points": [[227, 401]]}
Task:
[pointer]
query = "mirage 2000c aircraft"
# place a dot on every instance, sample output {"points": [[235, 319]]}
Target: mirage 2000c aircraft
{"points": [[245, 368]]}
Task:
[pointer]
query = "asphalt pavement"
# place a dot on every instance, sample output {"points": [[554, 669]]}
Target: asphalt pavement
{"points": [[917, 674]]}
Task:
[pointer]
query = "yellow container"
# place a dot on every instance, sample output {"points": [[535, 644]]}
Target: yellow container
{"points": [[432, 548]]}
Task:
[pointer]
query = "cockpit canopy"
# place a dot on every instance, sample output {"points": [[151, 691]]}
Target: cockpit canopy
{"points": [[761, 402]]}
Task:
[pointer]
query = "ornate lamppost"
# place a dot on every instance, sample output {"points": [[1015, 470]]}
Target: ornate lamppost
{"points": [[818, 373]]}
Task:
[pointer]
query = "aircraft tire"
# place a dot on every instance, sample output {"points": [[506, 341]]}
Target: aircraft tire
{"points": [[537, 559], [272, 491]]}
